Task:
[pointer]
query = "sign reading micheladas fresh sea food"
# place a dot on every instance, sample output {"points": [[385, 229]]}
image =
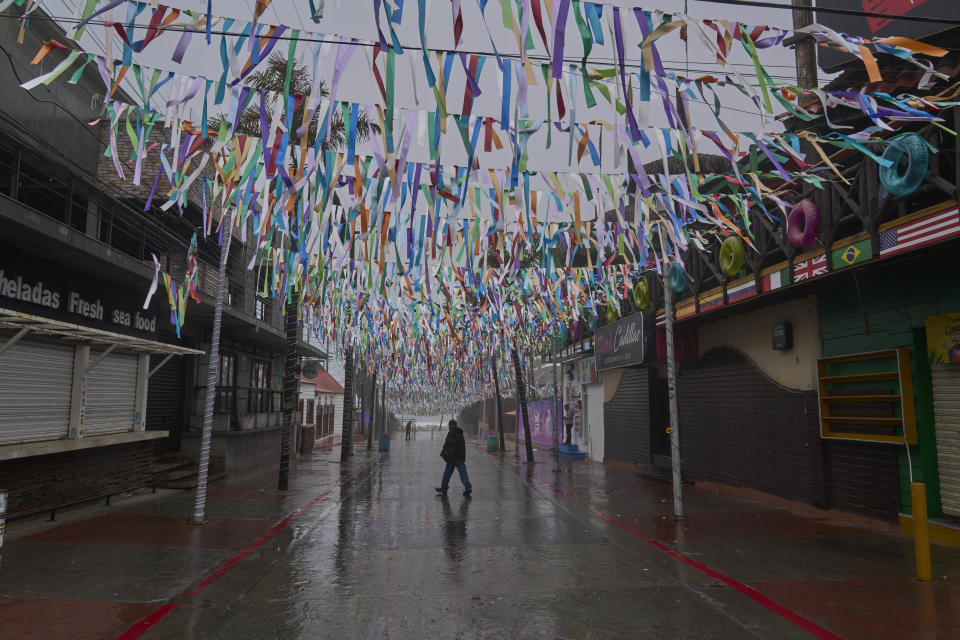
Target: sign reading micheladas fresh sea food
{"points": [[31, 285], [625, 342]]}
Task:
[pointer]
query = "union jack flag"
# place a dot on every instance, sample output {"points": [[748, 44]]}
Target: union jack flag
{"points": [[810, 268], [936, 226]]}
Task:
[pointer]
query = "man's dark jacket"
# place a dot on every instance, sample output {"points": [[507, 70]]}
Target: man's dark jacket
{"points": [[455, 437]]}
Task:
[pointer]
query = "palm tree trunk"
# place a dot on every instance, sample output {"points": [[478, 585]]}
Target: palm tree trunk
{"points": [[373, 408], [291, 373], [496, 386], [346, 437], [522, 398]]}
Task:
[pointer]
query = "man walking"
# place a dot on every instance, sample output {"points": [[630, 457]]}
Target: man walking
{"points": [[454, 452], [408, 429]]}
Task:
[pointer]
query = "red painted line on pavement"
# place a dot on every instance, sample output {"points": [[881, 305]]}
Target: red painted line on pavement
{"points": [[142, 626], [788, 614]]}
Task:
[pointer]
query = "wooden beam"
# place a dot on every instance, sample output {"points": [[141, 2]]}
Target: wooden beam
{"points": [[93, 365], [157, 368], [878, 398], [14, 339]]}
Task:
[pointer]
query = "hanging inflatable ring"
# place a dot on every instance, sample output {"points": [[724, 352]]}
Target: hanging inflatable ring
{"points": [[641, 294], [678, 279], [593, 323], [575, 330], [911, 158], [731, 255], [612, 315], [803, 223]]}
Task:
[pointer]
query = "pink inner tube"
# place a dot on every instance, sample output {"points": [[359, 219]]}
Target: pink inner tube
{"points": [[803, 223]]}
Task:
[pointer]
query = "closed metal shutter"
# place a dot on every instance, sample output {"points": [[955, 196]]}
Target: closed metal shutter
{"points": [[35, 388], [739, 428], [165, 395], [626, 419], [165, 399], [111, 394], [946, 416]]}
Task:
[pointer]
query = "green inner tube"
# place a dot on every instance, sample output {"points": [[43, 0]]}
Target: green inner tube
{"points": [[678, 279], [641, 294], [593, 323], [612, 315], [731, 255]]}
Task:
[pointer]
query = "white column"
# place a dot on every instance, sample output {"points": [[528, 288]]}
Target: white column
{"points": [[143, 380], [78, 398]]}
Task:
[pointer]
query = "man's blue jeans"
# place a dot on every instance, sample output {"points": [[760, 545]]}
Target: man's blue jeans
{"points": [[460, 466]]}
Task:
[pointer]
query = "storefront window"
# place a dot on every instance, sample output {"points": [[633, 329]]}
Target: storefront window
{"points": [[276, 384], [226, 395], [259, 391]]}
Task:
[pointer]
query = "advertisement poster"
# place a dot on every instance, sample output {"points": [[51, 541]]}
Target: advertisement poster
{"points": [[542, 421], [943, 339]]}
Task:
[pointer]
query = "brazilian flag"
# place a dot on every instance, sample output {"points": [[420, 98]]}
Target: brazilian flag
{"points": [[850, 254]]}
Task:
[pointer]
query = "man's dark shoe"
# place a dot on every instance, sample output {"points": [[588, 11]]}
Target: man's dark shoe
{"points": [[467, 493], [441, 491]]}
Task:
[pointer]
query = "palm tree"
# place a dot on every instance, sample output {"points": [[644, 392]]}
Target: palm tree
{"points": [[272, 78]]}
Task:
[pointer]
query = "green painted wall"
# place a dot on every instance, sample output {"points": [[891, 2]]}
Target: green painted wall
{"points": [[896, 300]]}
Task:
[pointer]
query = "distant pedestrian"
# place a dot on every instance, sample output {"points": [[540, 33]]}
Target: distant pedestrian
{"points": [[408, 429], [568, 421], [454, 452]]}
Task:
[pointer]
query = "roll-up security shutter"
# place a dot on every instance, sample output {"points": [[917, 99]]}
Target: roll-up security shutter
{"points": [[165, 395], [626, 419], [111, 394], [35, 387], [946, 417]]}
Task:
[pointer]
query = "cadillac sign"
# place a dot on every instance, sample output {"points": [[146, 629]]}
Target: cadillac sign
{"points": [[624, 343]]}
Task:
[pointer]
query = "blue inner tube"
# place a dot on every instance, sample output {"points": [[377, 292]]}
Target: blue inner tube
{"points": [[593, 323], [678, 278], [911, 158]]}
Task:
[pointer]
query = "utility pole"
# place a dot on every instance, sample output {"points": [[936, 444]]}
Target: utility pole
{"points": [[200, 502], [805, 46], [672, 387], [557, 403]]}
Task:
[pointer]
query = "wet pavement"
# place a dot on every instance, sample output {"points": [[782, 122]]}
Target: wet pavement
{"points": [[367, 550]]}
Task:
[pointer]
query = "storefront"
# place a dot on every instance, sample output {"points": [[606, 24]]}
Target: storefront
{"points": [[943, 348], [76, 358], [624, 350], [579, 376]]}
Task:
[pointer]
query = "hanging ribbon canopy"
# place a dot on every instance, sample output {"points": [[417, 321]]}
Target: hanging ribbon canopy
{"points": [[432, 269]]}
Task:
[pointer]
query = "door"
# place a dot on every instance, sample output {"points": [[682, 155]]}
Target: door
{"points": [[659, 417], [594, 420], [36, 379], [946, 420], [111, 393]]}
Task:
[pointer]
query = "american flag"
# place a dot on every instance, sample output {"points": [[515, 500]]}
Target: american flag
{"points": [[810, 268], [936, 226]]}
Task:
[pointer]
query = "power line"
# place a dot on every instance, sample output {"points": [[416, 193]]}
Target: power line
{"points": [[846, 12]]}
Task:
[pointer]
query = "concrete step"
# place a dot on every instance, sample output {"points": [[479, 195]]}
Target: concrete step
{"points": [[191, 481], [181, 473]]}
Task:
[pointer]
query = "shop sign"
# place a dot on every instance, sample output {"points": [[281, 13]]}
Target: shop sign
{"points": [[625, 342], [943, 339], [31, 285]]}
